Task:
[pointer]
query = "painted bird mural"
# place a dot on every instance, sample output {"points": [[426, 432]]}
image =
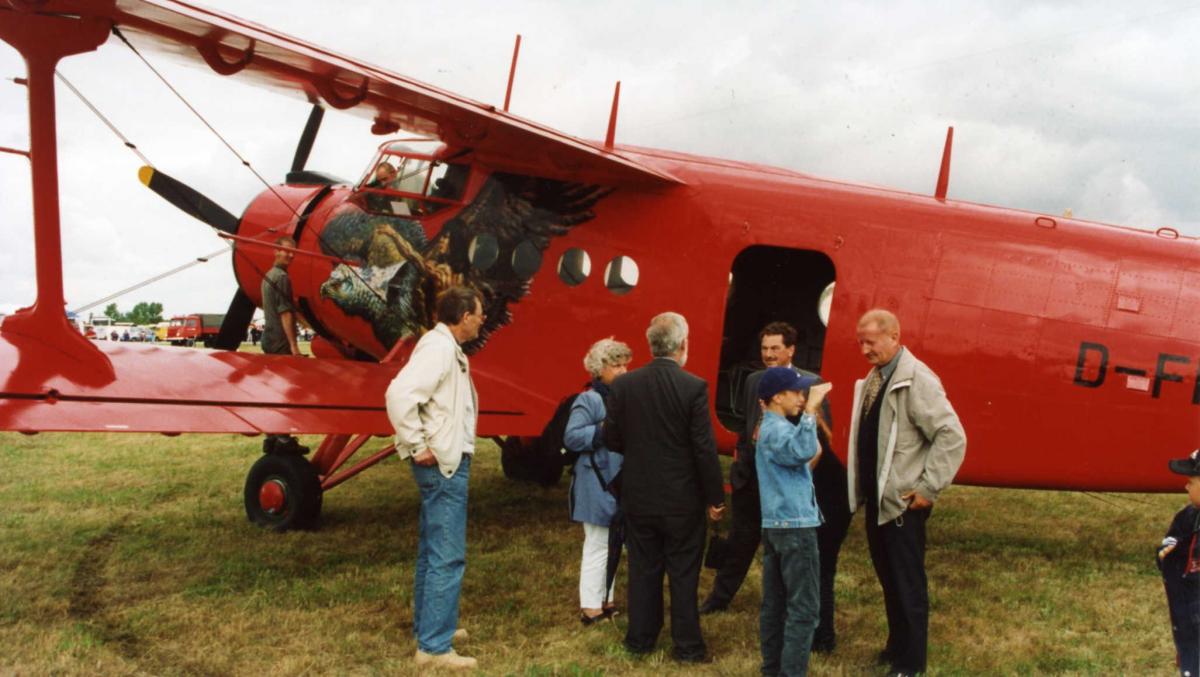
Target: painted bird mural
{"points": [[494, 244]]}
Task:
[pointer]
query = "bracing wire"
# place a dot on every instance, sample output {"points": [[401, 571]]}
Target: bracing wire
{"points": [[124, 139], [204, 121], [197, 261], [238, 155]]}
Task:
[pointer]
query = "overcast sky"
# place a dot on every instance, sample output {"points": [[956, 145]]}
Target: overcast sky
{"points": [[1088, 106]]}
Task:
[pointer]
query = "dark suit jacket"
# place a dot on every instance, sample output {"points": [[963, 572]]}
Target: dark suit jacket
{"points": [[658, 418]]}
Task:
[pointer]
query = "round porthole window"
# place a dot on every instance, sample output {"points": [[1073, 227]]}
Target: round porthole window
{"points": [[483, 251], [825, 303], [526, 260], [574, 266], [621, 275]]}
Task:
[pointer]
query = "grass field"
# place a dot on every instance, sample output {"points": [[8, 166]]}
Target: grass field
{"points": [[131, 554]]}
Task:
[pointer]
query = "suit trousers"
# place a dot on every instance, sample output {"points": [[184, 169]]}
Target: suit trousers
{"points": [[898, 553], [674, 545]]}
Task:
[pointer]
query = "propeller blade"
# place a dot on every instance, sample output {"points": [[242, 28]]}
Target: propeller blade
{"points": [[189, 200], [236, 322], [307, 138]]}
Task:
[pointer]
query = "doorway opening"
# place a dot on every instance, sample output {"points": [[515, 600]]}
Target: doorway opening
{"points": [[771, 284]]}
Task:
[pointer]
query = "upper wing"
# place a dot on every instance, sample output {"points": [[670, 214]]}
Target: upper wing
{"points": [[230, 46]]}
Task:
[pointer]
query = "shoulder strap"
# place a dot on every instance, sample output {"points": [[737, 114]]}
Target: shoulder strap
{"points": [[599, 477]]}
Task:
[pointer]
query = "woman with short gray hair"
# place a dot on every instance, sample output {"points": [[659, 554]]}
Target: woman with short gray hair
{"points": [[592, 501]]}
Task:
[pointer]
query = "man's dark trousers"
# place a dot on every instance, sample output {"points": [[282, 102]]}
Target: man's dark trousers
{"points": [[674, 545], [745, 533], [898, 553]]}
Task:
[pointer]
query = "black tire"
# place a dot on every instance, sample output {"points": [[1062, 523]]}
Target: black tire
{"points": [[283, 492], [511, 458], [523, 459]]}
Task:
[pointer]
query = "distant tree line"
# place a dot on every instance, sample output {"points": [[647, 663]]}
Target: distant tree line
{"points": [[142, 313]]}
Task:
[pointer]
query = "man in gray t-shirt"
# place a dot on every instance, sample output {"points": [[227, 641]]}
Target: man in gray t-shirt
{"points": [[279, 316], [279, 327]]}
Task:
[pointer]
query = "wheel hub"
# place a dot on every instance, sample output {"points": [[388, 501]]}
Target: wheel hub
{"points": [[272, 497]]}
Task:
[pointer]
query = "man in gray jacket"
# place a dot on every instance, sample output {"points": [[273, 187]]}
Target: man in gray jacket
{"points": [[906, 444]]}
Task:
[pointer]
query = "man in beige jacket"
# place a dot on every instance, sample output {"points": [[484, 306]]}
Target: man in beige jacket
{"points": [[433, 407], [906, 444]]}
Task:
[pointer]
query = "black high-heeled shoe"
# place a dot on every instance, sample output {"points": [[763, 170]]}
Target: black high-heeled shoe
{"points": [[590, 620]]}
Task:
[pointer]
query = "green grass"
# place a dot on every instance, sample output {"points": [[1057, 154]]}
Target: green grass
{"points": [[131, 554]]}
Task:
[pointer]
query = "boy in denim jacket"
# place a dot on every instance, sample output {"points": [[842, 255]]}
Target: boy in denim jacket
{"points": [[1179, 561], [790, 517]]}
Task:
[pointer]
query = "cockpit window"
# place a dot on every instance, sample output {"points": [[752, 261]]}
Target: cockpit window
{"points": [[408, 178]]}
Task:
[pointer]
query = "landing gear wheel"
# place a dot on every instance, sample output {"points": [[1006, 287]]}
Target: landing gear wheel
{"points": [[283, 492], [524, 459]]}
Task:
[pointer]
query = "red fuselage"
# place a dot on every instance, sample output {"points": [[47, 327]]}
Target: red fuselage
{"points": [[1070, 350]]}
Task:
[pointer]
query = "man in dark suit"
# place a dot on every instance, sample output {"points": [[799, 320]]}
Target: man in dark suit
{"points": [[777, 345], [658, 418]]}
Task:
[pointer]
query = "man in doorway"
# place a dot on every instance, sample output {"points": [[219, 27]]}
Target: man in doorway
{"points": [[658, 418], [906, 444], [777, 348], [433, 407], [279, 327]]}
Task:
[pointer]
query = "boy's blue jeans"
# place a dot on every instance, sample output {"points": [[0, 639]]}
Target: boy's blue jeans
{"points": [[791, 599], [441, 555]]}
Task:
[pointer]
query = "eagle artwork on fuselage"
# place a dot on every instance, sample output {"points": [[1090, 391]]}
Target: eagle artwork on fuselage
{"points": [[494, 245]]}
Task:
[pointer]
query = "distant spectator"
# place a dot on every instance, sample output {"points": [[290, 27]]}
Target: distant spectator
{"points": [[592, 501], [1179, 561]]}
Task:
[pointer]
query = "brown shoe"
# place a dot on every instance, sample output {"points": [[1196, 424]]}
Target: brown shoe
{"points": [[461, 635], [448, 660]]}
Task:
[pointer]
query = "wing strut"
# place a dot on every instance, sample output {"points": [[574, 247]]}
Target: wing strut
{"points": [[43, 40]]}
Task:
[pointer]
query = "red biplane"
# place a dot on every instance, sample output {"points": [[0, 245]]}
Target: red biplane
{"points": [[1070, 349]]}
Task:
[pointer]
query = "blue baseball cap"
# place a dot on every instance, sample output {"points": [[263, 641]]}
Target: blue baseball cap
{"points": [[779, 379], [1189, 466]]}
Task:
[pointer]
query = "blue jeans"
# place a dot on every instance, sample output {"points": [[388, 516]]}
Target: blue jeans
{"points": [[791, 599], [441, 555]]}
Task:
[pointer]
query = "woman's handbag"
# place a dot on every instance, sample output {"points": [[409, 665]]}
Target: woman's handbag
{"points": [[718, 549]]}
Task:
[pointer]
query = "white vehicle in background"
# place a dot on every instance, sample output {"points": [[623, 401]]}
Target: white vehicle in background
{"points": [[102, 325]]}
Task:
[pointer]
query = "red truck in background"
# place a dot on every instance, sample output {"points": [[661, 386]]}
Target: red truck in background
{"points": [[189, 330]]}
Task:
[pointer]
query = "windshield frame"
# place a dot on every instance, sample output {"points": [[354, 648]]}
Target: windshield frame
{"points": [[419, 202]]}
